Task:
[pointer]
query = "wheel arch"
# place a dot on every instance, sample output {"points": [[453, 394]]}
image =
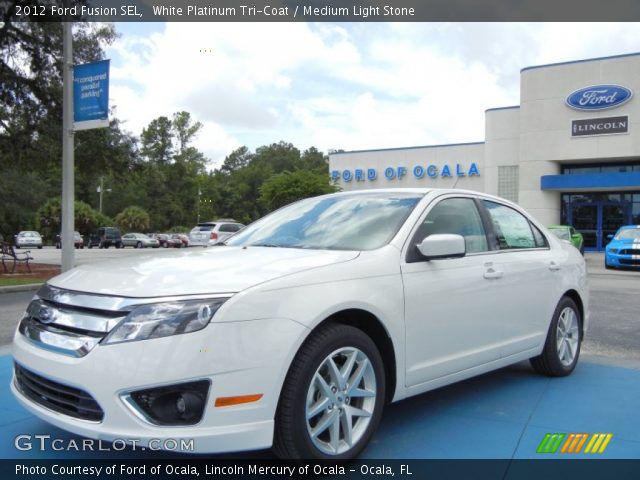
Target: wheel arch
{"points": [[575, 296], [372, 326]]}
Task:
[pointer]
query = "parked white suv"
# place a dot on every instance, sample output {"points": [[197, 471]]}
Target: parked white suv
{"points": [[299, 331], [210, 233]]}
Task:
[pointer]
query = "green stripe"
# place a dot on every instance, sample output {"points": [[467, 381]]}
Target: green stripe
{"points": [[543, 443], [559, 439]]}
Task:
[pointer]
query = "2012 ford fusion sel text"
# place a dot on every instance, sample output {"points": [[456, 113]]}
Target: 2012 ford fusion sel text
{"points": [[298, 331]]}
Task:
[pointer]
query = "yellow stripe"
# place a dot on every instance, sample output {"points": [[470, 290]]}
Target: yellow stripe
{"points": [[598, 442], [567, 442], [605, 443], [583, 439], [591, 442]]}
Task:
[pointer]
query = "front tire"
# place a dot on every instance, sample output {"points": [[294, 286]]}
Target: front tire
{"points": [[562, 347], [332, 399]]}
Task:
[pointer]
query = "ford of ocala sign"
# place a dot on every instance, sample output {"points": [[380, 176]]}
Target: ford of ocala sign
{"points": [[599, 97]]}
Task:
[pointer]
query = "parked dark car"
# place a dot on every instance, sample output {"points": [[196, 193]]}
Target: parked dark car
{"points": [[163, 239], [104, 237], [173, 241], [184, 240], [78, 242]]}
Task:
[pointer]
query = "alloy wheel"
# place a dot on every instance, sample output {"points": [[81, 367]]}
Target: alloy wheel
{"points": [[340, 400], [567, 336]]}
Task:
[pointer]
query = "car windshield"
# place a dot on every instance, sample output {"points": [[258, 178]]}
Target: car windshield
{"points": [[633, 233], [29, 234], [357, 221], [561, 233]]}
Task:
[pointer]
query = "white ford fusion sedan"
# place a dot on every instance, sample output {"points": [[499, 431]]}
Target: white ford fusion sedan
{"points": [[298, 331]]}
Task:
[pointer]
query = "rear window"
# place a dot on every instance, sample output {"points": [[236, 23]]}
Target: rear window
{"points": [[204, 227]]}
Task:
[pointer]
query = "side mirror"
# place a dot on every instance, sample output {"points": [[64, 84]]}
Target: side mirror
{"points": [[610, 237], [444, 245]]}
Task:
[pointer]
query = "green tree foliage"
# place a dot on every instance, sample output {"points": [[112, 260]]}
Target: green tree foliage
{"points": [[284, 188], [31, 116], [235, 190], [157, 141], [184, 130], [133, 219], [48, 218]]}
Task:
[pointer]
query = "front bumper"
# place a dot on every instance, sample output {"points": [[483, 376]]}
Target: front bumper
{"points": [[238, 358], [617, 260]]}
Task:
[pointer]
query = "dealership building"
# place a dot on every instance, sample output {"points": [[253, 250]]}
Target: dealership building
{"points": [[569, 153]]}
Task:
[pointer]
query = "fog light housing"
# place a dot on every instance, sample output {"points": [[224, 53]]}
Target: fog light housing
{"points": [[179, 404]]}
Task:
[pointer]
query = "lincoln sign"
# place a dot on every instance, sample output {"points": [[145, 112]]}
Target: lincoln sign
{"points": [[599, 126]]}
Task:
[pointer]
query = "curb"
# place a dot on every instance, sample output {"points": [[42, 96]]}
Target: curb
{"points": [[20, 288]]}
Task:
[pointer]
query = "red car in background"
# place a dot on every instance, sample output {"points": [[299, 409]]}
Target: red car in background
{"points": [[184, 239]]}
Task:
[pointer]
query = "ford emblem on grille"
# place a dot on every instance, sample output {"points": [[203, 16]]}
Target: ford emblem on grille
{"points": [[599, 97], [44, 315]]}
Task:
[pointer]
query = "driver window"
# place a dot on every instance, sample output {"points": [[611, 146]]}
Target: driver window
{"points": [[458, 216]]}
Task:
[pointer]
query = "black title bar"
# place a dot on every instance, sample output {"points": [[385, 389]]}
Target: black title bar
{"points": [[319, 11]]}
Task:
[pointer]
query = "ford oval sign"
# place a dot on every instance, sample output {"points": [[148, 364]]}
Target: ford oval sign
{"points": [[599, 97]]}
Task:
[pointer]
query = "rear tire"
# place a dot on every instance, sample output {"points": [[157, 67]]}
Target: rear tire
{"points": [[562, 347], [332, 399], [139, 245]]}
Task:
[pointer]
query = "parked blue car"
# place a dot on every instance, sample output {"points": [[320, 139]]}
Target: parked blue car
{"points": [[624, 248]]}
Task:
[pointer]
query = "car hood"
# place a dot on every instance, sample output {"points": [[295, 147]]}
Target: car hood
{"points": [[624, 242], [202, 271]]}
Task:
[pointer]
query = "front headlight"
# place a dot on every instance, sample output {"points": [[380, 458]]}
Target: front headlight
{"points": [[164, 319], [613, 250]]}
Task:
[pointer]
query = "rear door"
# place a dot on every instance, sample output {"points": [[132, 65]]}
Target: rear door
{"points": [[532, 278]]}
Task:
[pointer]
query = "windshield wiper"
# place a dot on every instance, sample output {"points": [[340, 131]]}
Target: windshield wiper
{"points": [[271, 245]]}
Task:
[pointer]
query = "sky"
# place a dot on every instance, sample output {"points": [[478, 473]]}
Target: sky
{"points": [[350, 86]]}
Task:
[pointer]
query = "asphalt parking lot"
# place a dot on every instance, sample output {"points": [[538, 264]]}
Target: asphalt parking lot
{"points": [[500, 415]]}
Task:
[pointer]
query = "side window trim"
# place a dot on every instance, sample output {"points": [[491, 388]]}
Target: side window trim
{"points": [[494, 237], [489, 230], [409, 256]]}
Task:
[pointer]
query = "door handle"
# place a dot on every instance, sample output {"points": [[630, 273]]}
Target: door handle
{"points": [[490, 273], [553, 266]]}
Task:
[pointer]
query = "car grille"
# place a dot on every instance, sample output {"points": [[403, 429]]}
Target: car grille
{"points": [[625, 261], [56, 396], [630, 251]]}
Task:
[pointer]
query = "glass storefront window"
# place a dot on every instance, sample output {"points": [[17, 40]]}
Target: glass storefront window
{"points": [[599, 214], [600, 168]]}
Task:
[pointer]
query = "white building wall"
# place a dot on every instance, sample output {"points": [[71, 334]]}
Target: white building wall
{"points": [[545, 125], [502, 143]]}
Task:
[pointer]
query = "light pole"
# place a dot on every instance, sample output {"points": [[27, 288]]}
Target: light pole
{"points": [[199, 193], [68, 192], [100, 190]]}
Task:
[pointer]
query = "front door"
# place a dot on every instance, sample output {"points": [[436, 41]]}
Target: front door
{"points": [[597, 220], [584, 218]]}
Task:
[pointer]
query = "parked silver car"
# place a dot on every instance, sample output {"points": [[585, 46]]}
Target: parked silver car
{"points": [[139, 240], [210, 233], [28, 239]]}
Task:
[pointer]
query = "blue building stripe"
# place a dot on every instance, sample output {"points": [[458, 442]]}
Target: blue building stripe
{"points": [[591, 181]]}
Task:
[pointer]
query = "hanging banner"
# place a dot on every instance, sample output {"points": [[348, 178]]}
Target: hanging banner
{"points": [[91, 95]]}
